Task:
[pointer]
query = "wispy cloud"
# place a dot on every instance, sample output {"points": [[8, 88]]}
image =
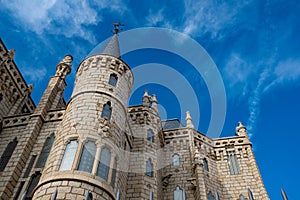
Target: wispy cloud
{"points": [[68, 18], [35, 75]]}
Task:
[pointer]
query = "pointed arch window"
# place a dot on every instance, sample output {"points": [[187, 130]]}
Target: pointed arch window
{"points": [[69, 156], [113, 79], [104, 163], [242, 197], [179, 194], [176, 160], [32, 184], [150, 135], [114, 173], [45, 151], [29, 167], [250, 195], [149, 168], [7, 154], [87, 157], [106, 111], [205, 164], [233, 163], [211, 196], [89, 195]]}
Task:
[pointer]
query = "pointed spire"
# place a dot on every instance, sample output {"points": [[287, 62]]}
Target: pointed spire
{"points": [[284, 196], [241, 130], [112, 48], [188, 120]]}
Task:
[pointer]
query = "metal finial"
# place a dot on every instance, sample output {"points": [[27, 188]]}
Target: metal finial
{"points": [[117, 26]]}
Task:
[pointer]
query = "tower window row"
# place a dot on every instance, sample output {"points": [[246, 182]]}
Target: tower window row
{"points": [[102, 165]]}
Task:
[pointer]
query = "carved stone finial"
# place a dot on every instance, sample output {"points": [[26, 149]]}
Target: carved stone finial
{"points": [[154, 102], [63, 68], [188, 119], [241, 130], [146, 98]]}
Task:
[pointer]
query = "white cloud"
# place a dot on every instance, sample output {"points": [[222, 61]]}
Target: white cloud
{"points": [[35, 75], [69, 18], [154, 18]]}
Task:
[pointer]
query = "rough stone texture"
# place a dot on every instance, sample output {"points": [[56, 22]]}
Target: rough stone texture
{"points": [[125, 134]]}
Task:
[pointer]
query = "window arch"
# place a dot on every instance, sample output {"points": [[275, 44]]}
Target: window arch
{"points": [[104, 163], [106, 111], [7, 154], [149, 168], [32, 184], [242, 197], [150, 135], [69, 156], [250, 195], [89, 195], [87, 157], [114, 173], [113, 79], [179, 194], [176, 160], [205, 164], [45, 151], [233, 163], [211, 196]]}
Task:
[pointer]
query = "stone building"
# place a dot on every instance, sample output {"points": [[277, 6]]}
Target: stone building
{"points": [[96, 147]]}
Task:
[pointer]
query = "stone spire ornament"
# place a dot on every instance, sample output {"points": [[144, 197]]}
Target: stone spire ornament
{"points": [[64, 67], [112, 48], [188, 119], [241, 130]]}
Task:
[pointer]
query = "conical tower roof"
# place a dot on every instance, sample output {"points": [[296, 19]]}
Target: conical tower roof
{"points": [[112, 48]]}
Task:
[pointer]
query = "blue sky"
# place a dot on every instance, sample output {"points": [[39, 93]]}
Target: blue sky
{"points": [[255, 44]]}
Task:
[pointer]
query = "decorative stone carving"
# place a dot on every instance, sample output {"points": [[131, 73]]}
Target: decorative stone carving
{"points": [[103, 129], [165, 181], [193, 182], [64, 67]]}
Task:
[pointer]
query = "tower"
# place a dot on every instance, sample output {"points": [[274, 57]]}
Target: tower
{"points": [[90, 138]]}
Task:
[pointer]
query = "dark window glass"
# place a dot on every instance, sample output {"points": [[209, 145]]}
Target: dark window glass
{"points": [[29, 167], [242, 197], [211, 196], [106, 111], [104, 163], [149, 168], [19, 190], [205, 164], [114, 173], [87, 157], [113, 79], [7, 154], [32, 184], [150, 135], [45, 151], [89, 196], [151, 195], [250, 195], [233, 163]]}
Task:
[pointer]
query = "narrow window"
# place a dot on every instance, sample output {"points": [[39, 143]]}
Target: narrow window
{"points": [[1, 96], [211, 196], [151, 195], [113, 79], [7, 154], [106, 111], [87, 157], [89, 196], [118, 195], [45, 151], [242, 197], [149, 168], [29, 167], [205, 164], [69, 156], [217, 195], [150, 135], [32, 184], [176, 160], [114, 173], [19, 190], [250, 195], [179, 194], [104, 163], [233, 163]]}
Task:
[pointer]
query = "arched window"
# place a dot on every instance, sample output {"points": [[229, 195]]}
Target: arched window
{"points": [[88, 196], [205, 164], [29, 167], [104, 163], [179, 194], [106, 111], [150, 135], [151, 195], [233, 163], [250, 195], [113, 79], [211, 196], [7, 154], [176, 160], [149, 168], [242, 197], [114, 173], [32, 184], [45, 151], [87, 157], [69, 156]]}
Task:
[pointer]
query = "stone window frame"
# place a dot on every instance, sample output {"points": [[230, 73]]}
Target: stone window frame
{"points": [[81, 154], [179, 189], [64, 153], [241, 197], [106, 155], [149, 165], [151, 195], [40, 163], [233, 163], [205, 164], [106, 112], [150, 135], [7, 154], [210, 196], [111, 81], [175, 158]]}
